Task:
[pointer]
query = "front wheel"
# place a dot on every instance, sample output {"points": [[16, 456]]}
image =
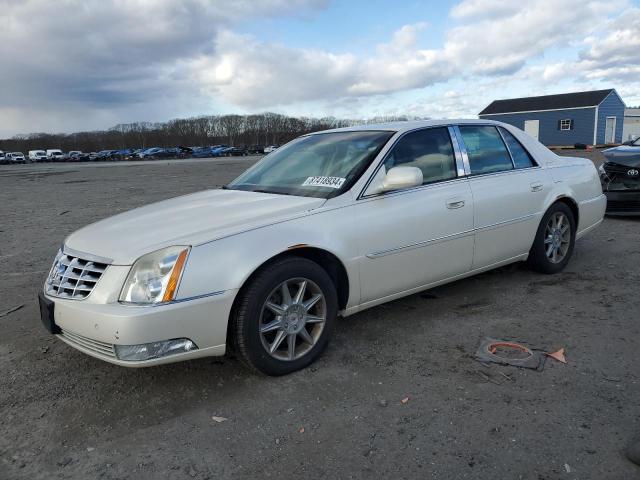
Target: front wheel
{"points": [[555, 239], [283, 318]]}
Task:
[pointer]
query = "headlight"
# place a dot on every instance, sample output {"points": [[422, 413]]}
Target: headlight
{"points": [[154, 277], [601, 170]]}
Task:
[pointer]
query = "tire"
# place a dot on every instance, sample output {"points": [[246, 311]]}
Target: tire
{"points": [[251, 315], [551, 251]]}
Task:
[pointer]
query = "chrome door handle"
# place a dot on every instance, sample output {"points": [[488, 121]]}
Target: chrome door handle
{"points": [[455, 203], [536, 186]]}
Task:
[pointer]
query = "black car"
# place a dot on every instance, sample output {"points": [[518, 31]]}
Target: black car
{"points": [[620, 177], [255, 149], [233, 152]]}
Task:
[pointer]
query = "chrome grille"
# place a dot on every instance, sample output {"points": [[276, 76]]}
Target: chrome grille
{"points": [[95, 346], [73, 277]]}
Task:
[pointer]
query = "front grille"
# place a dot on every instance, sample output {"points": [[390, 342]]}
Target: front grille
{"points": [[73, 277], [95, 346], [623, 206], [613, 169]]}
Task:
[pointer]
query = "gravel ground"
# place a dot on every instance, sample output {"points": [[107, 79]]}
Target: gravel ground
{"points": [[398, 393]]}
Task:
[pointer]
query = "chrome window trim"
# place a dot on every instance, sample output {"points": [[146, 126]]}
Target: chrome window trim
{"points": [[457, 152], [463, 149], [362, 196], [438, 183], [502, 172]]}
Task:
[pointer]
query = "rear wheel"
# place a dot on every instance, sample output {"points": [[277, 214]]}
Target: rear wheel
{"points": [[283, 318], [555, 239]]}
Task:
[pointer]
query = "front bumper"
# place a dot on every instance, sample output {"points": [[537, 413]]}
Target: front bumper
{"points": [[623, 203], [95, 329]]}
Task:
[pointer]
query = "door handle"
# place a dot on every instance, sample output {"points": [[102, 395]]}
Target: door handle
{"points": [[454, 203], [536, 186]]}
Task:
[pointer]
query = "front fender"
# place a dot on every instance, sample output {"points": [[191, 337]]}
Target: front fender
{"points": [[227, 263]]}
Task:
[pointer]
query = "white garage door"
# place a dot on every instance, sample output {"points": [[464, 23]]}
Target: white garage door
{"points": [[532, 127]]}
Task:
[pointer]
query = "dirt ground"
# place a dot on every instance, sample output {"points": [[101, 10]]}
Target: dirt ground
{"points": [[398, 393]]}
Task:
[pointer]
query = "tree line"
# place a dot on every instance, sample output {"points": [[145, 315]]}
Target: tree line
{"points": [[233, 130]]}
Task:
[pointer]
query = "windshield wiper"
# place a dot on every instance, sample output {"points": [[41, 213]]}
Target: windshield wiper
{"points": [[269, 191]]}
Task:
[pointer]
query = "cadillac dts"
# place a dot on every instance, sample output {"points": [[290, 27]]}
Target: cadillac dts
{"points": [[327, 225]]}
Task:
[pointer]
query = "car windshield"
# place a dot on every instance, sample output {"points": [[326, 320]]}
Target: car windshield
{"points": [[322, 165]]}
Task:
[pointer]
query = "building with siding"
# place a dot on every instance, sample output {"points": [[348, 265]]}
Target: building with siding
{"points": [[631, 129], [591, 118]]}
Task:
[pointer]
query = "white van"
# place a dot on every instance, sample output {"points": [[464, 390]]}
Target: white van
{"points": [[37, 155], [55, 155]]}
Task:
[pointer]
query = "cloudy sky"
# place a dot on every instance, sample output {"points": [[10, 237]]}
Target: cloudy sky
{"points": [[68, 65]]}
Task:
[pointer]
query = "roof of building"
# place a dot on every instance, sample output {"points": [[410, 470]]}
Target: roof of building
{"points": [[547, 102]]}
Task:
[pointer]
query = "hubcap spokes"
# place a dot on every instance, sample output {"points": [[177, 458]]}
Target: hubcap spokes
{"points": [[557, 237], [292, 319]]}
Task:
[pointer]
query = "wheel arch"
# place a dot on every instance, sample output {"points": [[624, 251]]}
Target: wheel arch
{"points": [[571, 203], [328, 261]]}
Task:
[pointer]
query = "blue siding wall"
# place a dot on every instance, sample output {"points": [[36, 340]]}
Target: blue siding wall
{"points": [[611, 106], [583, 123]]}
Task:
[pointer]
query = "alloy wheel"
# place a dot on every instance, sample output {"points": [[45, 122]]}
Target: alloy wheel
{"points": [[292, 319], [557, 237]]}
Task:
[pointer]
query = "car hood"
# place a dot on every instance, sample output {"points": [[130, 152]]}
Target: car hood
{"points": [[626, 155], [187, 220]]}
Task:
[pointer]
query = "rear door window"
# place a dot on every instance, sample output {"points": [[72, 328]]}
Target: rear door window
{"points": [[486, 151], [521, 157]]}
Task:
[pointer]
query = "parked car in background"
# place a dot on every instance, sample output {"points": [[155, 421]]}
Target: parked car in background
{"points": [[93, 156], [201, 152], [55, 155], [2, 157], [255, 149], [105, 155], [620, 177], [270, 148], [154, 152], [233, 152], [71, 155], [330, 224], [179, 152], [217, 150], [15, 157], [123, 154], [37, 155]]}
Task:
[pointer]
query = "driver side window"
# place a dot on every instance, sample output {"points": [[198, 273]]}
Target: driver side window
{"points": [[430, 150]]}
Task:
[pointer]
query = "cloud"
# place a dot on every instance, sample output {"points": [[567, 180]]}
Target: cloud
{"points": [[88, 55], [74, 62], [493, 39]]}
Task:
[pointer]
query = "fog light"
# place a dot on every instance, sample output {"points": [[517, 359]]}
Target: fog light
{"points": [[147, 351]]}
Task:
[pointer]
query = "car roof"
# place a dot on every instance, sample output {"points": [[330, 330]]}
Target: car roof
{"points": [[409, 125]]}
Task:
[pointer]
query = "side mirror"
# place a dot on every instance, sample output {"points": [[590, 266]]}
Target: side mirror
{"points": [[398, 178]]}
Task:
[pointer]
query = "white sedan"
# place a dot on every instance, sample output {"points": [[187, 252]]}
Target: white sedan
{"points": [[328, 225]]}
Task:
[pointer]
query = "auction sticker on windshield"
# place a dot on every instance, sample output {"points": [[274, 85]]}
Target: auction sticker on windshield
{"points": [[331, 182]]}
